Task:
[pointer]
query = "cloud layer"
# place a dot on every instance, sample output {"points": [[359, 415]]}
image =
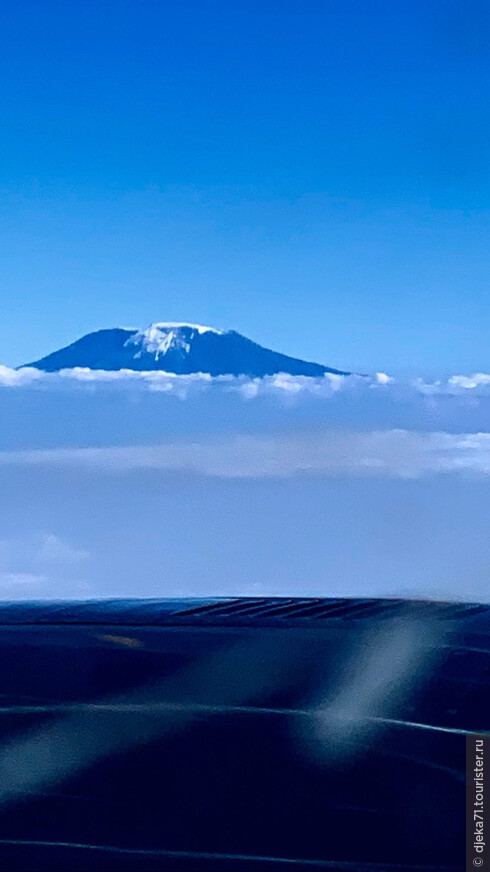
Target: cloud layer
{"points": [[188, 485], [228, 427], [478, 383], [393, 453]]}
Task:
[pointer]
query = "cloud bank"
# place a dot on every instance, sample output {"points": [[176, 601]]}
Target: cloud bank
{"points": [[229, 427], [393, 453], [249, 388]]}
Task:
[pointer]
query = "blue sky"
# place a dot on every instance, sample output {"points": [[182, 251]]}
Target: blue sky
{"points": [[315, 176]]}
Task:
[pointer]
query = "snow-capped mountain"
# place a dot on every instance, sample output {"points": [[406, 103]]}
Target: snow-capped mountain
{"points": [[179, 348]]}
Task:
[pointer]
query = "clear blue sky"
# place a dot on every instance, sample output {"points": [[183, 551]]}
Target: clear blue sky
{"points": [[315, 176]]}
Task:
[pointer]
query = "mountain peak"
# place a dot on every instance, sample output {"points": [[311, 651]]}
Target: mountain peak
{"points": [[177, 347]]}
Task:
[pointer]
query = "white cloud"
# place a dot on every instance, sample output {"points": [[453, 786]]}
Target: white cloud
{"points": [[38, 565], [247, 387], [392, 453], [477, 383], [10, 580], [288, 386], [83, 375], [53, 550], [470, 382], [19, 377], [383, 379]]}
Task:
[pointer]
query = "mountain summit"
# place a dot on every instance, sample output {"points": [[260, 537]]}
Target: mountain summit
{"points": [[178, 348]]}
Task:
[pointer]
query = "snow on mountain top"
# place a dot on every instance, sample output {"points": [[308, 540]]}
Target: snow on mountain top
{"points": [[162, 336], [171, 325]]}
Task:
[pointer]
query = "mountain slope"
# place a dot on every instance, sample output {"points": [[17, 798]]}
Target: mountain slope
{"points": [[177, 348]]}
